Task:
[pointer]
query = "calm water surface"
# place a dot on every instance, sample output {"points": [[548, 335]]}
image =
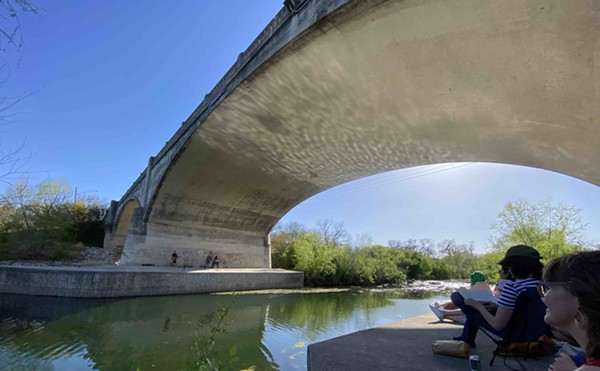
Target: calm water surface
{"points": [[271, 331]]}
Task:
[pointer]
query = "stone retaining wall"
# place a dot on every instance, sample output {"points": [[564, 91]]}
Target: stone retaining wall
{"points": [[110, 282]]}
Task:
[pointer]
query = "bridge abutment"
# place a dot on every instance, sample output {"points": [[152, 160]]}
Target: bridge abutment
{"points": [[155, 243]]}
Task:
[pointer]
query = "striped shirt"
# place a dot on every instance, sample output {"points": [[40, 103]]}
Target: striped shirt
{"points": [[512, 290]]}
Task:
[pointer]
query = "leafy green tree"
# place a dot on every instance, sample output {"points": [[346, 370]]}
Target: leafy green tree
{"points": [[488, 264], [554, 229], [38, 210], [329, 257], [281, 242], [42, 217], [440, 270], [345, 264], [460, 258], [376, 265], [365, 267], [414, 264], [315, 258]]}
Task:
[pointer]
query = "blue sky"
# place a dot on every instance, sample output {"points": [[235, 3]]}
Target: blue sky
{"points": [[113, 80]]}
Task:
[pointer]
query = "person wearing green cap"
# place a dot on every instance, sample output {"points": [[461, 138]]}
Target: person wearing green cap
{"points": [[478, 279], [452, 312]]}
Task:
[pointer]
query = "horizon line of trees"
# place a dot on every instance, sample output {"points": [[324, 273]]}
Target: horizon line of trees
{"points": [[329, 256], [48, 221]]}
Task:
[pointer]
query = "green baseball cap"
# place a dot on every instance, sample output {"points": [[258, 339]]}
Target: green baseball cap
{"points": [[477, 276], [522, 251]]}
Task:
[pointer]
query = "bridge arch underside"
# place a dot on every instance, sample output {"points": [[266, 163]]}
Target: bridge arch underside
{"points": [[374, 88], [118, 236]]}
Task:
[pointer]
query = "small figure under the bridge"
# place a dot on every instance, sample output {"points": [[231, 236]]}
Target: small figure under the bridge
{"points": [[174, 258], [216, 262], [208, 261]]}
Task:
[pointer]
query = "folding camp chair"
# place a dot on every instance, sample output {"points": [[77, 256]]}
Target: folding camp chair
{"points": [[526, 325]]}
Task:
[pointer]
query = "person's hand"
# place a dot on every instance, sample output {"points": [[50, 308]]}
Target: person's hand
{"points": [[562, 363]]}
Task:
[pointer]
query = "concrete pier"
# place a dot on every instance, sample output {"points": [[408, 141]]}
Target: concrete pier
{"points": [[406, 345], [114, 281]]}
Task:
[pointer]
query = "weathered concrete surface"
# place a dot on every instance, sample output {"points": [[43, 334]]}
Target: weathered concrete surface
{"points": [[110, 282], [405, 345], [347, 89]]}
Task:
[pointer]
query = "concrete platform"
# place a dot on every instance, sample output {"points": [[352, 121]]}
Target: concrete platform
{"points": [[405, 345], [128, 281]]}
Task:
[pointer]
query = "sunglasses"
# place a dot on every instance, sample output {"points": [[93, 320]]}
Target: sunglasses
{"points": [[544, 287]]}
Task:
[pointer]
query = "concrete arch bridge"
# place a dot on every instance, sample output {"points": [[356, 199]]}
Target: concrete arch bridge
{"points": [[336, 90]]}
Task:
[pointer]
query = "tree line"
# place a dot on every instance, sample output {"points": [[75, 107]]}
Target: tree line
{"points": [[329, 256], [48, 221]]}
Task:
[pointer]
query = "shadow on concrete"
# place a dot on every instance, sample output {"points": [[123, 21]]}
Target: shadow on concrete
{"points": [[406, 345]]}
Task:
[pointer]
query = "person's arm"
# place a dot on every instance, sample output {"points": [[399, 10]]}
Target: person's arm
{"points": [[498, 321]]}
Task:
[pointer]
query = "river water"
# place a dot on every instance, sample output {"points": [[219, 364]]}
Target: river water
{"points": [[269, 331]]}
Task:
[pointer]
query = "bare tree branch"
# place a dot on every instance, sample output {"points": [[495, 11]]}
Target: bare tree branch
{"points": [[11, 40]]}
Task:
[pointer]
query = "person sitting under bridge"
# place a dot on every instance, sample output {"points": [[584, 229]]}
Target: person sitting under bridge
{"points": [[523, 264], [451, 311], [208, 261], [215, 262]]}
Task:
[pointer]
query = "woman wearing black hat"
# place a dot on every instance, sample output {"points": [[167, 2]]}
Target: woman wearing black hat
{"points": [[523, 264]]}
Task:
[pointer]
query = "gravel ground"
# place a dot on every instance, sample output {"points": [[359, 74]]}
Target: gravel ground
{"points": [[89, 256]]}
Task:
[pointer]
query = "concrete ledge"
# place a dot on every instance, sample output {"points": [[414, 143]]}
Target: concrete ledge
{"points": [[405, 345], [111, 282]]}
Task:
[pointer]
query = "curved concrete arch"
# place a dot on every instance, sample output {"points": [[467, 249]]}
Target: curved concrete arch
{"points": [[125, 208], [374, 87], [124, 221]]}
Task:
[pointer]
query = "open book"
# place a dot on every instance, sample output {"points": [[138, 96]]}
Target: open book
{"points": [[479, 295]]}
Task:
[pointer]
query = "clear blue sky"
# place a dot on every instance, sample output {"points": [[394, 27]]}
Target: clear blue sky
{"points": [[115, 79]]}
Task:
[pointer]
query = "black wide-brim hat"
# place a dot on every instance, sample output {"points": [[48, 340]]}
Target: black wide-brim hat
{"points": [[522, 251]]}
